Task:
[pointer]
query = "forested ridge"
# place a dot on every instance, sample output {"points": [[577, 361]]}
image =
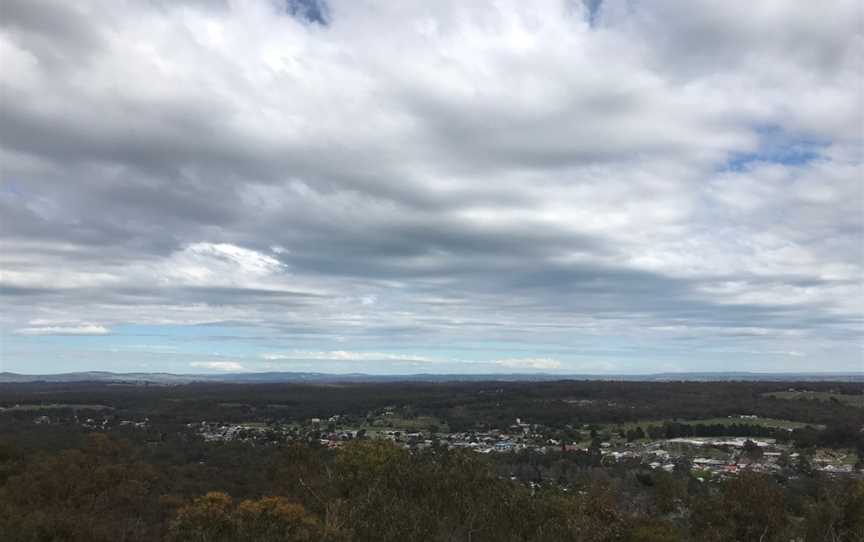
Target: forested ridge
{"points": [[109, 489]]}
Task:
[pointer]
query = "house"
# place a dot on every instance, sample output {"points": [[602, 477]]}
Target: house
{"points": [[503, 446]]}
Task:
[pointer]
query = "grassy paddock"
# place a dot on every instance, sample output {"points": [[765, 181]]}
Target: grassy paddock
{"points": [[764, 422]]}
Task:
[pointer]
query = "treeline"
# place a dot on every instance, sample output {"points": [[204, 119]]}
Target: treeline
{"points": [[111, 489]]}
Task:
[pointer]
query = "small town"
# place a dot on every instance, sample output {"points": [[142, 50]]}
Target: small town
{"points": [[709, 457]]}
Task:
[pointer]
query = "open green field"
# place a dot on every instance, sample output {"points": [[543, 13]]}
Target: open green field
{"points": [[764, 422], [398, 423], [846, 398]]}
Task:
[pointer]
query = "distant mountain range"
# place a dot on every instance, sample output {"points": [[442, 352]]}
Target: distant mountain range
{"points": [[276, 377]]}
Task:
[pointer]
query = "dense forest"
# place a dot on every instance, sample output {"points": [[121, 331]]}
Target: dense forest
{"points": [[462, 403], [73, 482]]}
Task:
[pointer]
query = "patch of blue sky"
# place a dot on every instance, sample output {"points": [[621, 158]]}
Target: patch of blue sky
{"points": [[229, 340], [779, 147]]}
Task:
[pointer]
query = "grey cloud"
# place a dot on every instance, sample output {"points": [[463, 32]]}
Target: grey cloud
{"points": [[313, 11], [56, 31]]}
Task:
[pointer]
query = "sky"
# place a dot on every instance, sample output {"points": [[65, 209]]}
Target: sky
{"points": [[393, 187]]}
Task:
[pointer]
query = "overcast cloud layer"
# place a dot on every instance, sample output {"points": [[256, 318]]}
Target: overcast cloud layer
{"points": [[413, 186]]}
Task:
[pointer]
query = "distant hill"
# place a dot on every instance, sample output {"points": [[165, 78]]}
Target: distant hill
{"points": [[275, 377]]}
